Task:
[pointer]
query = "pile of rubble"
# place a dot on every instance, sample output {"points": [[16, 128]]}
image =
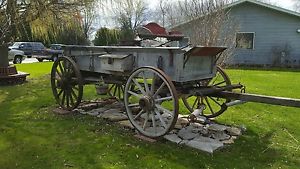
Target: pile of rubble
{"points": [[207, 137]]}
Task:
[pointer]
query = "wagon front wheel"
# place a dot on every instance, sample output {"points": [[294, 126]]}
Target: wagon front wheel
{"points": [[66, 83], [151, 102]]}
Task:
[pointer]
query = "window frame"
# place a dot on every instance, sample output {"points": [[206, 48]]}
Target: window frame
{"points": [[253, 41]]}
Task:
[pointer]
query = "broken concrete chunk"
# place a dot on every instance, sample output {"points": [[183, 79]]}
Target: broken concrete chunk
{"points": [[205, 144], [220, 136], [187, 134], [234, 131], [113, 115], [173, 138], [217, 127]]}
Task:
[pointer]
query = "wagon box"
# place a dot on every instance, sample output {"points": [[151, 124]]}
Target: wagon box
{"points": [[181, 64], [119, 63]]}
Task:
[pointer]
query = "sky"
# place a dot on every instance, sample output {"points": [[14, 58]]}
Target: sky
{"points": [[282, 3], [105, 20]]}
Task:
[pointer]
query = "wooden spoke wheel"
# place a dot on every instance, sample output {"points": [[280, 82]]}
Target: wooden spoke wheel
{"points": [[66, 83], [214, 106], [151, 102], [117, 91]]}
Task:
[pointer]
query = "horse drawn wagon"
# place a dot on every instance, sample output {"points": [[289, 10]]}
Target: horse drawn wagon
{"points": [[150, 80]]}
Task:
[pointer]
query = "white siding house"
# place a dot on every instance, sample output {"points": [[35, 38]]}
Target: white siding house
{"points": [[267, 34]]}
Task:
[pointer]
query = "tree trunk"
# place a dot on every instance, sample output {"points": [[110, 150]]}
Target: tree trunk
{"points": [[3, 56]]}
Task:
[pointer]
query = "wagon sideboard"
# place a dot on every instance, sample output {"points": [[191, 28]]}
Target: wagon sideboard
{"points": [[180, 64]]}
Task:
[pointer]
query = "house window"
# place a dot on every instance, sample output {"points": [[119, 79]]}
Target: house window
{"points": [[245, 40]]}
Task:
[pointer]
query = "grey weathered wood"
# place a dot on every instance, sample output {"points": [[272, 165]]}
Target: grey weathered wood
{"points": [[282, 101], [174, 61]]}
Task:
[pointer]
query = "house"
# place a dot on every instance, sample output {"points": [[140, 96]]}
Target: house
{"points": [[266, 35]]}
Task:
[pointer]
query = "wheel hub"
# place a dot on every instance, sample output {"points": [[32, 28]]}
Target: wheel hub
{"points": [[146, 103]]}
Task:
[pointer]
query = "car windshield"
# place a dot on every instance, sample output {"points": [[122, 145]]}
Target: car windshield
{"points": [[16, 45], [56, 47]]}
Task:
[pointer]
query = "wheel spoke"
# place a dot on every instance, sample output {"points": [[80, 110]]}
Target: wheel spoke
{"points": [[58, 73], [119, 92], [161, 119], [164, 109], [209, 106], [159, 89], [73, 93], [153, 122], [63, 98], [153, 84], [61, 68], [138, 115], [195, 102], [109, 90], [134, 94], [145, 83], [67, 97], [133, 105], [164, 99], [146, 121], [59, 93], [215, 101], [71, 98], [115, 90], [139, 86], [219, 83]]}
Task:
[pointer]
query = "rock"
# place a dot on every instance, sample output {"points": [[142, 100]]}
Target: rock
{"points": [[89, 106], [205, 144], [203, 131], [113, 115], [166, 116], [126, 124], [234, 131], [187, 134], [182, 121], [220, 136], [229, 141], [102, 109], [173, 138], [217, 127], [115, 105], [93, 113], [155, 130], [197, 125]]}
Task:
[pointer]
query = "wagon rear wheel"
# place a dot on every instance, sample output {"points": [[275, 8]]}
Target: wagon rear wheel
{"points": [[214, 106], [66, 83], [117, 91], [151, 102]]}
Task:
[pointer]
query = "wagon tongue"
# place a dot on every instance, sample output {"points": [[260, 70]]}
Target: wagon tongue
{"points": [[205, 51]]}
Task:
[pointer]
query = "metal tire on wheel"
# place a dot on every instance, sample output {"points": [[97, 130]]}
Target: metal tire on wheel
{"points": [[151, 102], [214, 106], [66, 83]]}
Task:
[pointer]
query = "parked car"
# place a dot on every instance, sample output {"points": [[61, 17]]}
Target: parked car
{"points": [[17, 56], [37, 50]]}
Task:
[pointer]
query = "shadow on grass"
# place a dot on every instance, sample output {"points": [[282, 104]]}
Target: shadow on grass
{"points": [[33, 137]]}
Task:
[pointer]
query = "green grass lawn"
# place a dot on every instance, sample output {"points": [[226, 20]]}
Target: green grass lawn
{"points": [[31, 136]]}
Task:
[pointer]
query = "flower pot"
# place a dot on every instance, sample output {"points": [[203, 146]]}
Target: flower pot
{"points": [[101, 89]]}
